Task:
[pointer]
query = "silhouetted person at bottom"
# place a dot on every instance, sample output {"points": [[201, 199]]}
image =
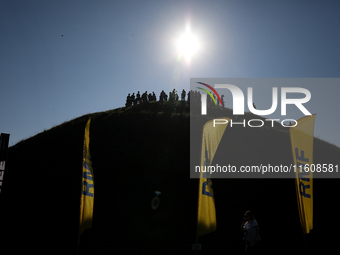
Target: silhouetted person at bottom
{"points": [[251, 231]]}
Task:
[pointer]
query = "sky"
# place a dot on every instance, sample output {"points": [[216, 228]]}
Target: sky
{"points": [[62, 59]]}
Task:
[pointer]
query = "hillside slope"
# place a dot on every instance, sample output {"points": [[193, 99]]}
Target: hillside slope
{"points": [[136, 151]]}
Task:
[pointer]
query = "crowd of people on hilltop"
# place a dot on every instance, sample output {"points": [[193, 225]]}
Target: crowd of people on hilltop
{"points": [[173, 96], [145, 97]]}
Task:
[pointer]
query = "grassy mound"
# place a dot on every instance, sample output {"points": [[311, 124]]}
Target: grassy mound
{"points": [[136, 151]]}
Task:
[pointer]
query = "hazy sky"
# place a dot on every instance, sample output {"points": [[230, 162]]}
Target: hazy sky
{"points": [[112, 48]]}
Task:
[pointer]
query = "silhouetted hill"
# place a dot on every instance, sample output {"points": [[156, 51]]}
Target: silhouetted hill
{"points": [[136, 151]]}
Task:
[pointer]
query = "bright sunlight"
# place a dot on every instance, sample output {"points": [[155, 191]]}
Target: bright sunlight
{"points": [[187, 45]]}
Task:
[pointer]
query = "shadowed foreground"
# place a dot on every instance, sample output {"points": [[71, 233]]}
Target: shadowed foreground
{"points": [[136, 151]]}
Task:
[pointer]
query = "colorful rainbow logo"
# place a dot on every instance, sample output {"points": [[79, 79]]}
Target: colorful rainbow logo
{"points": [[208, 86]]}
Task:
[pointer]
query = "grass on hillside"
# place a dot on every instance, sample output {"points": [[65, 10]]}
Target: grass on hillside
{"points": [[136, 151]]}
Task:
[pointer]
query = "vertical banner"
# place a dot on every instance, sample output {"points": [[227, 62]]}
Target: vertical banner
{"points": [[302, 136], [87, 185], [4, 139], [212, 134]]}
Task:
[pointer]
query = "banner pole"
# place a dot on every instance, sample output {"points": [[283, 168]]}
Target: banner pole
{"points": [[196, 244], [78, 244], [304, 238]]}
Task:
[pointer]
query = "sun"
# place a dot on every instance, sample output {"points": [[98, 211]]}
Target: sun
{"points": [[187, 45]]}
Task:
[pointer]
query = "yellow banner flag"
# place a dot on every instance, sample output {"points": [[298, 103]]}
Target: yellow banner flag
{"points": [[87, 185], [302, 136], [211, 137]]}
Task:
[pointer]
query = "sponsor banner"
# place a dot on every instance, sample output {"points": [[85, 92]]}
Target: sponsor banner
{"points": [[302, 137], [87, 186], [211, 138], [4, 139]]}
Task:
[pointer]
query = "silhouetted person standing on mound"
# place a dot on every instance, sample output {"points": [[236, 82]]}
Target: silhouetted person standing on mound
{"points": [[138, 98], [128, 100], [133, 98], [183, 95], [145, 97], [222, 99]]}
